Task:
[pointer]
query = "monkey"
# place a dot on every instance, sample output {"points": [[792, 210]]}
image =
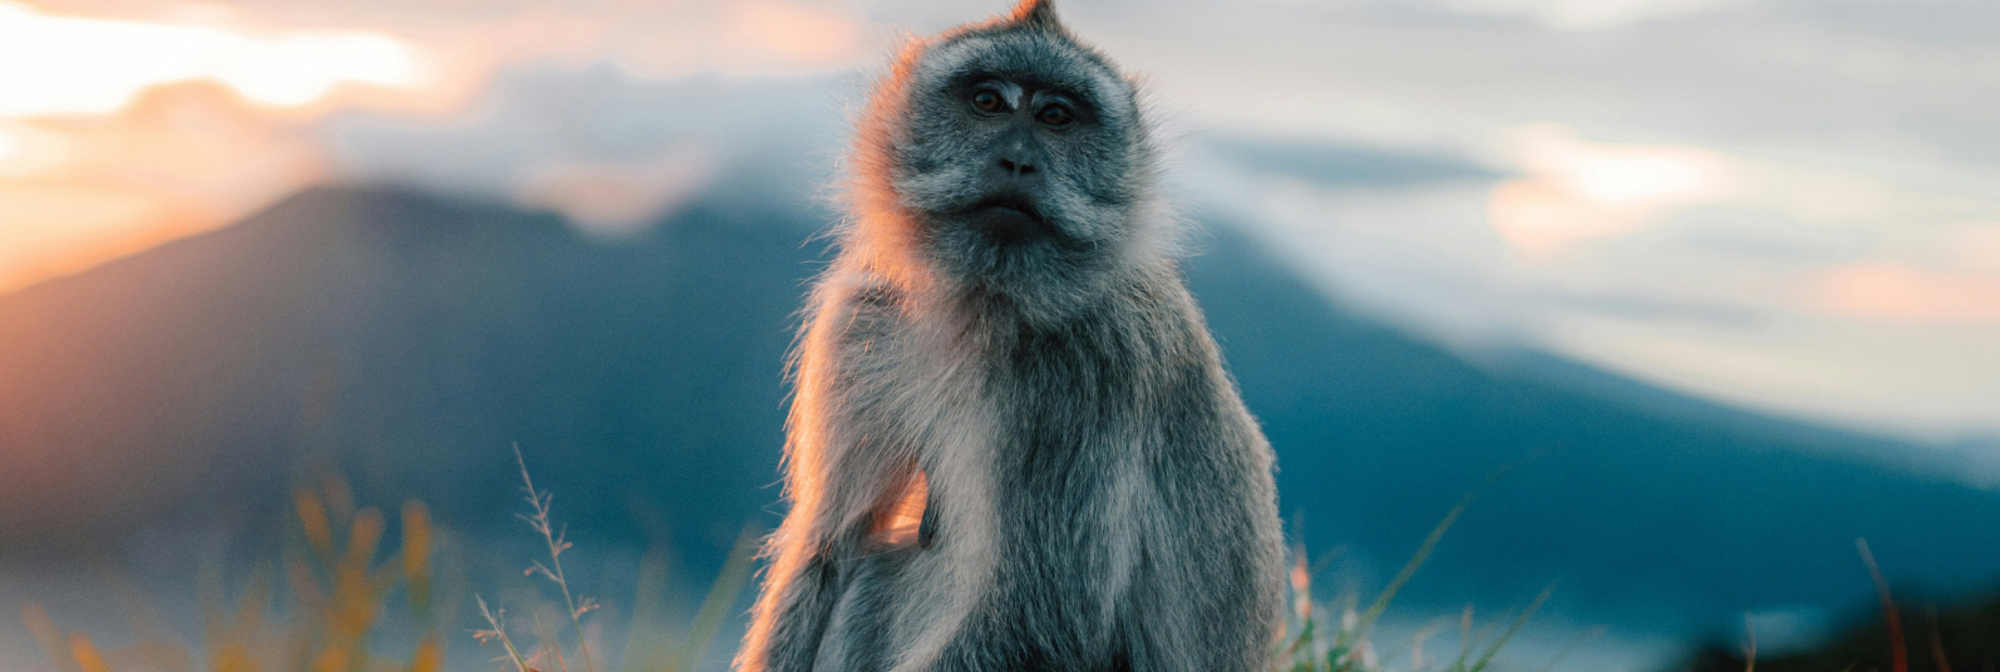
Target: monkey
{"points": [[1012, 443]]}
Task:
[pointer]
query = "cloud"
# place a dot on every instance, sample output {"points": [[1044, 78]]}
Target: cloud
{"points": [[610, 149], [1976, 246], [99, 66], [1583, 14], [1899, 292], [1758, 179], [1341, 164], [76, 192], [619, 198], [88, 177], [1576, 190], [804, 32]]}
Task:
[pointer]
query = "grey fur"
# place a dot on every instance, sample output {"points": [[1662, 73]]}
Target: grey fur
{"points": [[1096, 496]]}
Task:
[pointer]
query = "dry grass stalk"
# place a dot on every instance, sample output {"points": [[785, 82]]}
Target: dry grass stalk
{"points": [[1899, 657], [539, 501]]}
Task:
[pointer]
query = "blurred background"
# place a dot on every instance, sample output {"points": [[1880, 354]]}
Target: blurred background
{"points": [[1729, 268]]}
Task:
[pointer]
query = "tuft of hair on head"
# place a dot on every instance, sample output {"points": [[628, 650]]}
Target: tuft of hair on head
{"points": [[1037, 14]]}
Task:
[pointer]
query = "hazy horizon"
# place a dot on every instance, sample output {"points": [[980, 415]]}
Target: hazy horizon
{"points": [[1782, 205], [1711, 240]]}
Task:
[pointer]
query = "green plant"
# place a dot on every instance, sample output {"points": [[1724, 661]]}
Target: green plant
{"points": [[1307, 647]]}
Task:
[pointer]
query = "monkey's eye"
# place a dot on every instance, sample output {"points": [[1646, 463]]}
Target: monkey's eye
{"points": [[988, 100], [1055, 115]]}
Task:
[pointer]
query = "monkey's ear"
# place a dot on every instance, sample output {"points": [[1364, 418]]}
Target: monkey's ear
{"points": [[1037, 14]]}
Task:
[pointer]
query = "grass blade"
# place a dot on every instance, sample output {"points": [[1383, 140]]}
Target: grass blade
{"points": [[1516, 627], [721, 595], [1381, 603], [1899, 656]]}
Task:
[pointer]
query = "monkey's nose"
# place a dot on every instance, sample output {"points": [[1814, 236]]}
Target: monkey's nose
{"points": [[1016, 168]]}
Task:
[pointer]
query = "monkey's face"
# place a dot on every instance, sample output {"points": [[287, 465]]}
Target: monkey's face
{"points": [[1021, 154]]}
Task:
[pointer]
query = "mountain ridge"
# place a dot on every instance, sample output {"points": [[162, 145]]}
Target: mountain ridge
{"points": [[407, 340]]}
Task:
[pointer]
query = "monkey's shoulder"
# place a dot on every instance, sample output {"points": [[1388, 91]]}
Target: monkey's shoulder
{"points": [[876, 297], [859, 308], [869, 326]]}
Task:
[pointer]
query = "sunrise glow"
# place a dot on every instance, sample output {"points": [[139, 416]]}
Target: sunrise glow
{"points": [[66, 65], [1900, 292], [1576, 190], [805, 33], [119, 135]]}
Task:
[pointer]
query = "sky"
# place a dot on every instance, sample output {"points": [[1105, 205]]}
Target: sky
{"points": [[1788, 205]]}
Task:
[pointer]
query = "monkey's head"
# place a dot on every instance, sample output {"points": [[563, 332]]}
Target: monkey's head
{"points": [[1009, 158]]}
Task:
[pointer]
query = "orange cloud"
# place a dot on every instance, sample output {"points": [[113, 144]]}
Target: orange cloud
{"points": [[96, 66], [98, 160], [799, 32], [118, 135], [1576, 191], [76, 192], [1977, 245], [1897, 292]]}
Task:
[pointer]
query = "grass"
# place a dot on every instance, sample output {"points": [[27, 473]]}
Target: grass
{"points": [[338, 591], [540, 501], [1351, 646], [330, 613], [1961, 636], [642, 653], [1899, 656]]}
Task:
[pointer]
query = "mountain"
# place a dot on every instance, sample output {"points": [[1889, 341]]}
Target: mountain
{"points": [[408, 340]]}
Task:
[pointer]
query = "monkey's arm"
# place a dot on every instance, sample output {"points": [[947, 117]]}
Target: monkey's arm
{"points": [[835, 475], [800, 589]]}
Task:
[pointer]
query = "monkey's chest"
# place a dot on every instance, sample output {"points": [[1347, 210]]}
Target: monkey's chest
{"points": [[1078, 425], [1070, 486], [1065, 531]]}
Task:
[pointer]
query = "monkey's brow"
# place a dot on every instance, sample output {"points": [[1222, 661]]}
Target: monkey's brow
{"points": [[1077, 90]]}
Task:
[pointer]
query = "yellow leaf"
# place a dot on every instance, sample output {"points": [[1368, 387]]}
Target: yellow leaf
{"points": [[85, 654], [312, 515], [417, 553], [429, 658]]}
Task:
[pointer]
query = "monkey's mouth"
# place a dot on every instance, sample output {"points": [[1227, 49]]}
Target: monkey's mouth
{"points": [[1008, 218]]}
